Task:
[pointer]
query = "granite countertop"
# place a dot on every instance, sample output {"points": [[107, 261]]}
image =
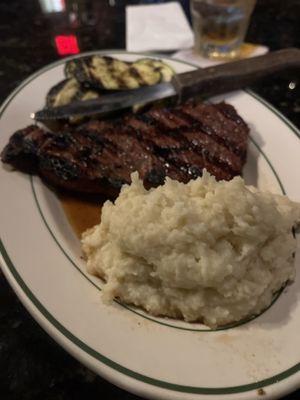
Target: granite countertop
{"points": [[32, 365]]}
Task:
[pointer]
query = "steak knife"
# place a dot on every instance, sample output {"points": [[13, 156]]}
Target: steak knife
{"points": [[199, 83]]}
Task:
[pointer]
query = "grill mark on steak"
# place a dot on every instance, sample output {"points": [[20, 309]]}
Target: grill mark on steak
{"points": [[160, 144], [229, 111], [99, 156], [215, 152], [133, 153], [144, 125], [214, 123], [176, 127], [182, 136], [149, 149], [165, 145]]}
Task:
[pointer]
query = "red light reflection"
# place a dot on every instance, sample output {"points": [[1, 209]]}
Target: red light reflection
{"points": [[66, 44]]}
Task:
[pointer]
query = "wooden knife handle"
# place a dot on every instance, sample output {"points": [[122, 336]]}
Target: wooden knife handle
{"points": [[234, 75]]}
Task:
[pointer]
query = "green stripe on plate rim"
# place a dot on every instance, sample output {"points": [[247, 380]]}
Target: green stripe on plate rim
{"points": [[166, 385], [83, 346]]}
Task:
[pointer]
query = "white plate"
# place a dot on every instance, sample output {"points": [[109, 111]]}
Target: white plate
{"points": [[152, 357]]}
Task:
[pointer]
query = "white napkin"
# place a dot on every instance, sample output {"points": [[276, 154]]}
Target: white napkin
{"points": [[157, 27], [191, 56]]}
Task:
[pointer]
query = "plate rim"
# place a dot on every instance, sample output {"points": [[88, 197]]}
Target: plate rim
{"points": [[44, 317]]}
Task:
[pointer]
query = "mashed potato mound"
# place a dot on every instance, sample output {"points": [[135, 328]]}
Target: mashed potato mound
{"points": [[205, 251]]}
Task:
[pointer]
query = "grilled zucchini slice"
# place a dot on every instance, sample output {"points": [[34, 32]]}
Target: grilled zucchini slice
{"points": [[145, 74], [107, 73], [101, 73], [71, 67], [68, 91], [62, 93], [79, 70], [164, 69]]}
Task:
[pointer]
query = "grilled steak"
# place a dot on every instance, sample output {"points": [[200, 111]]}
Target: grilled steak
{"points": [[99, 156]]}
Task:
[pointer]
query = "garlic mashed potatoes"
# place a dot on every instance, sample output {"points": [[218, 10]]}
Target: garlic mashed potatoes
{"points": [[208, 251]]}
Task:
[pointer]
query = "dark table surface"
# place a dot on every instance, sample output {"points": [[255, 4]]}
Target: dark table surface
{"points": [[32, 365]]}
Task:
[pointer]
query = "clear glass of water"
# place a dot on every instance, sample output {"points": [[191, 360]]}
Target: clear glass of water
{"points": [[220, 26]]}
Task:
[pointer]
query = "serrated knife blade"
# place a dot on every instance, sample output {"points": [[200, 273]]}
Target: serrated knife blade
{"points": [[109, 103]]}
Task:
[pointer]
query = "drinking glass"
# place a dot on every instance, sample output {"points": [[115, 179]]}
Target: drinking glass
{"points": [[220, 26]]}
